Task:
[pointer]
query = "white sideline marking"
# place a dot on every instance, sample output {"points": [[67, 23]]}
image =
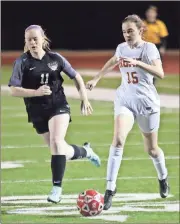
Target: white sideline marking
{"points": [[172, 208], [12, 134], [124, 158], [10, 165], [120, 197], [95, 145], [118, 218], [82, 179], [86, 160], [21, 161]]}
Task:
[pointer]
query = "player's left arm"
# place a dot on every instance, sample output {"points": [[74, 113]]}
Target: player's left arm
{"points": [[155, 68], [154, 64], [85, 105], [80, 86]]}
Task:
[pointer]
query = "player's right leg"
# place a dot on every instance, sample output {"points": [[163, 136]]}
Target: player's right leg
{"points": [[157, 156], [123, 123], [149, 125]]}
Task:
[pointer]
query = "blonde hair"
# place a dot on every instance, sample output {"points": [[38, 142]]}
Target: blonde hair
{"points": [[46, 44], [137, 20]]}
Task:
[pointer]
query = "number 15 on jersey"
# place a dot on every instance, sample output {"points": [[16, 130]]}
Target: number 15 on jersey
{"points": [[132, 77]]}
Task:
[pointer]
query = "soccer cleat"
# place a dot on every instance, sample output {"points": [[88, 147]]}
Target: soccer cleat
{"points": [[55, 195], [91, 155], [164, 188], [108, 199]]}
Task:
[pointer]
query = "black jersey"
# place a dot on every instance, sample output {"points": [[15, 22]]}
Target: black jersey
{"points": [[31, 73]]}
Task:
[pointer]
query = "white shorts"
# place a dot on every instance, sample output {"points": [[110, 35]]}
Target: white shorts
{"points": [[147, 123]]}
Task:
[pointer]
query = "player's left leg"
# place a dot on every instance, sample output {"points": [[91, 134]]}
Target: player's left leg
{"points": [[149, 125], [123, 123]]}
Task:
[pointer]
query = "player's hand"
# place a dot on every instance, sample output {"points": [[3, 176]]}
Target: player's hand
{"points": [[91, 84], [131, 61], [86, 108], [119, 59], [43, 90]]}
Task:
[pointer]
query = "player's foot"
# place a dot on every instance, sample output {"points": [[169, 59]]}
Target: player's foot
{"points": [[91, 155], [108, 199], [55, 195], [164, 188]]}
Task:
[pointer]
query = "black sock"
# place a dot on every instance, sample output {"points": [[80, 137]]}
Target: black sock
{"points": [[79, 152], [58, 164]]}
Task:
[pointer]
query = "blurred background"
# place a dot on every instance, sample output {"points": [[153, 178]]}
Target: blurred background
{"points": [[81, 25]]}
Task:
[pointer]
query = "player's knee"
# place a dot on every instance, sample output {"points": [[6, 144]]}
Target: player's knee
{"points": [[119, 141], [152, 151], [58, 145]]}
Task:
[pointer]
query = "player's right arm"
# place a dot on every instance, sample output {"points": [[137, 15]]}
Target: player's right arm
{"points": [[15, 84], [23, 92], [109, 66]]}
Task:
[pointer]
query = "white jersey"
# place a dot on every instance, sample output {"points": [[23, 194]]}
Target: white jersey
{"points": [[137, 84]]}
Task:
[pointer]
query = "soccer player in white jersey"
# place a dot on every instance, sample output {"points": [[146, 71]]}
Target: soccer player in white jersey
{"points": [[136, 99]]}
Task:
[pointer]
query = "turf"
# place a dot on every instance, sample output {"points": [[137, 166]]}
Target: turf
{"points": [[19, 142]]}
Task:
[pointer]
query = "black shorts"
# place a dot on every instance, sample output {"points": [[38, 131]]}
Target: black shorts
{"points": [[40, 123]]}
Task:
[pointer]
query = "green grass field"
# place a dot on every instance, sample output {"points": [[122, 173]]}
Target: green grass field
{"points": [[168, 85], [138, 199]]}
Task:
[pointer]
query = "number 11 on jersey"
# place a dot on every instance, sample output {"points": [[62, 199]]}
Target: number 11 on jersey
{"points": [[44, 78]]}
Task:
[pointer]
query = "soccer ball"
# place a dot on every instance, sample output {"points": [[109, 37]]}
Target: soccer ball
{"points": [[90, 203]]}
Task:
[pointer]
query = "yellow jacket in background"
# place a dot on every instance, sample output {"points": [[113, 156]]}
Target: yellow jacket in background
{"points": [[155, 31]]}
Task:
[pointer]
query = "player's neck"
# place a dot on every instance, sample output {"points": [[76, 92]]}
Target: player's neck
{"points": [[39, 55], [138, 43]]}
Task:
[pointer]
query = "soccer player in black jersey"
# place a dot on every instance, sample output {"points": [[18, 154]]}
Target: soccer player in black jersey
{"points": [[36, 77]]}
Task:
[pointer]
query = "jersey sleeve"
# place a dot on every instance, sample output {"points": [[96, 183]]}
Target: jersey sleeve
{"points": [[163, 29], [17, 74], [67, 68], [152, 52]]}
